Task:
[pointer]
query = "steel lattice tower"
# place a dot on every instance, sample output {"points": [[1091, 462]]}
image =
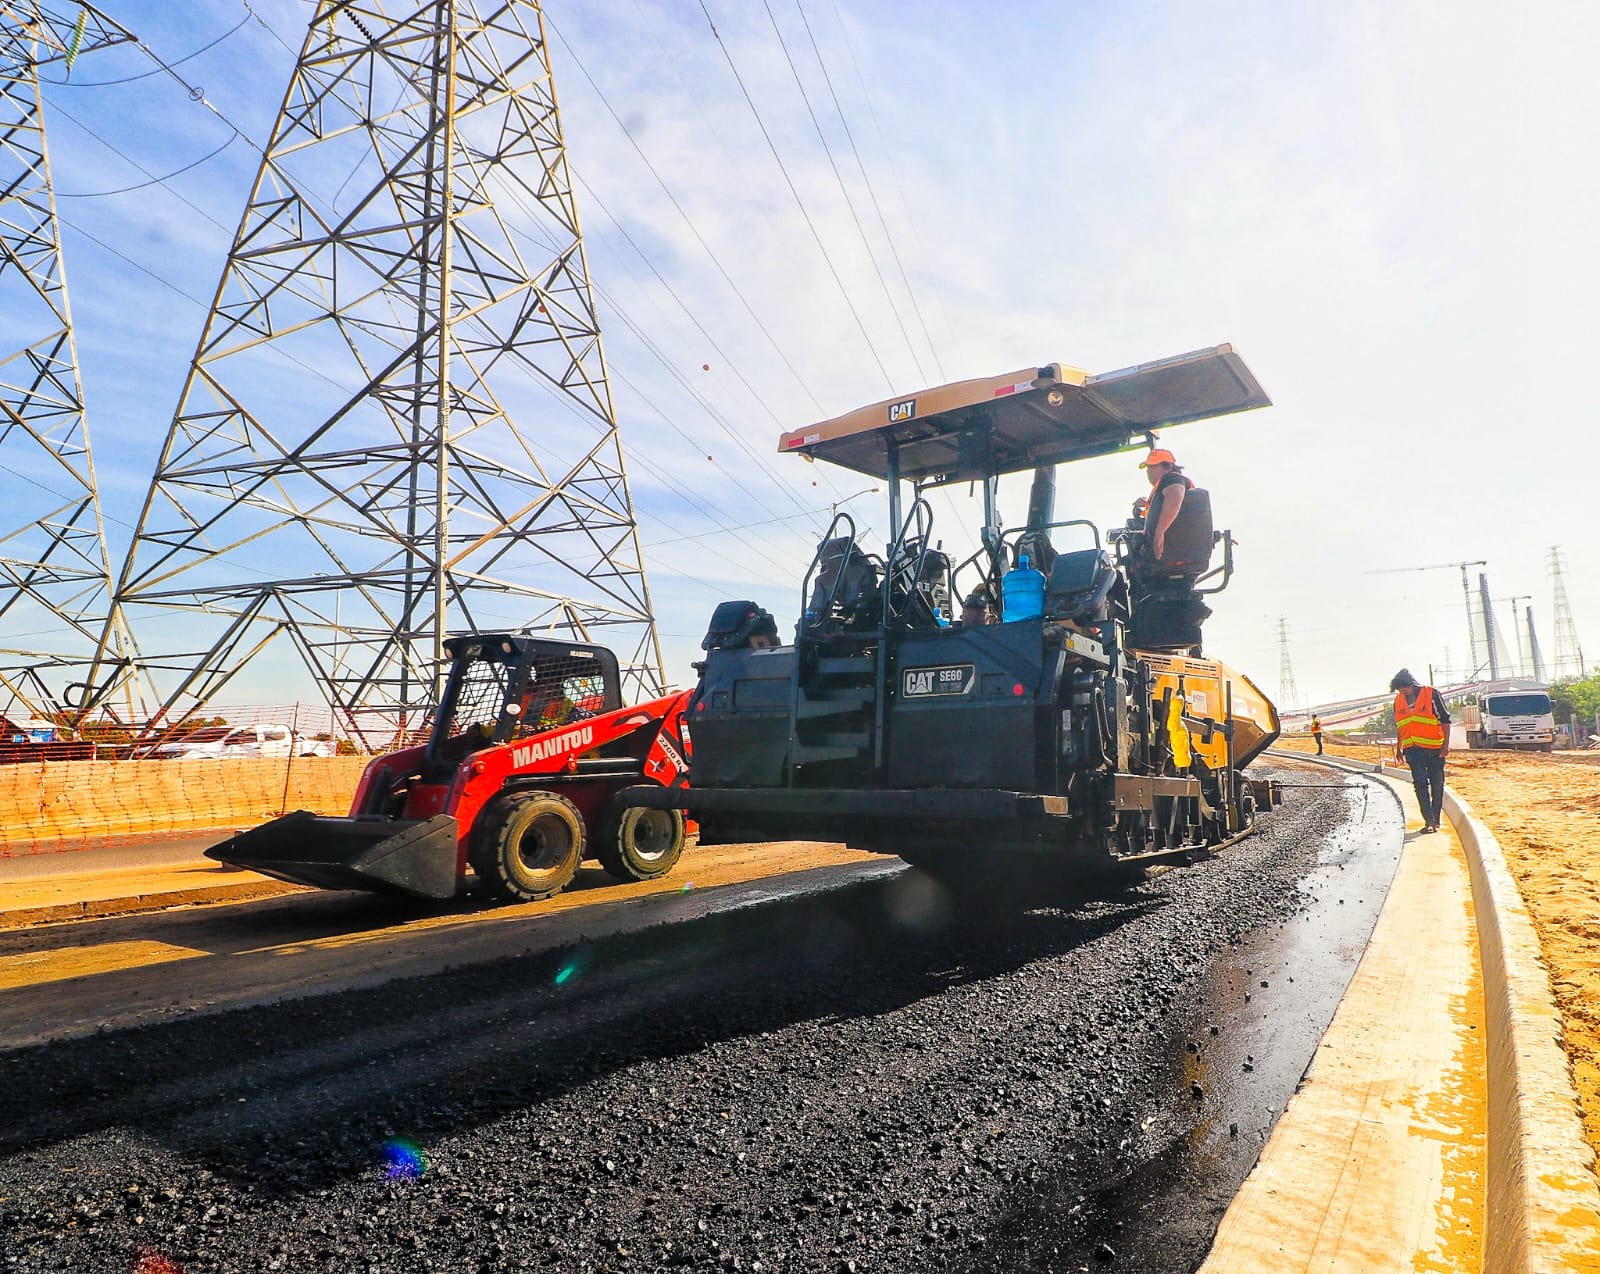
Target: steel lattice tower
{"points": [[397, 422], [55, 576], [1567, 658], [1288, 692]]}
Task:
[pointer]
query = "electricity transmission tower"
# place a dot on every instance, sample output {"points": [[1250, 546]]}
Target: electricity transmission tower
{"points": [[397, 422], [55, 577], [1567, 660], [1288, 692]]}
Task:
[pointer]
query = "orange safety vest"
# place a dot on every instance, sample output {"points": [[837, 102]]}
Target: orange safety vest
{"points": [[1418, 722], [1316, 726]]}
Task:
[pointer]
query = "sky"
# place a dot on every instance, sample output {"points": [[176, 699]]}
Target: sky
{"points": [[1384, 207]]}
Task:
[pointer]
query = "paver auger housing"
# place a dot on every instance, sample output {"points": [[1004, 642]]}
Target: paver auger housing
{"points": [[1085, 731], [515, 787]]}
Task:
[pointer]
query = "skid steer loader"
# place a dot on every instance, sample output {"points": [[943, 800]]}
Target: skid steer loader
{"points": [[516, 785]]}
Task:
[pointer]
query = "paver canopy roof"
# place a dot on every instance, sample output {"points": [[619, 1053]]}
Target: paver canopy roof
{"points": [[1031, 417]]}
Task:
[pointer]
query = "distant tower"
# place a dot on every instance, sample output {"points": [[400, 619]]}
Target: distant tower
{"points": [[55, 578], [1535, 655], [398, 422], [1568, 659], [1288, 692], [1486, 609]]}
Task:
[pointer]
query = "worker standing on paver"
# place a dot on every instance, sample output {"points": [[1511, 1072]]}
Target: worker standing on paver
{"points": [[1422, 740], [1316, 731]]}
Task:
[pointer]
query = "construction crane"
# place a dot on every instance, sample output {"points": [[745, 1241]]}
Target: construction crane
{"points": [[1516, 627], [1466, 593]]}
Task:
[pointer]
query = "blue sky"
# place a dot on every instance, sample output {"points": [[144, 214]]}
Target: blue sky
{"points": [[1378, 204]]}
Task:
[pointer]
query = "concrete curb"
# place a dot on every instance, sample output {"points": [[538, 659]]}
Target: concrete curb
{"points": [[1543, 1206], [1542, 1211]]}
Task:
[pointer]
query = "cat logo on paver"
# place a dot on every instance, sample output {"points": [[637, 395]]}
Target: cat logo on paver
{"points": [[951, 679], [902, 411]]}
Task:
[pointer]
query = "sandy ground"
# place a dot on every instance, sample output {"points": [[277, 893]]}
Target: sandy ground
{"points": [[1543, 809]]}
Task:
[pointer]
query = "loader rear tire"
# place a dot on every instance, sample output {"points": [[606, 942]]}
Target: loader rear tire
{"points": [[527, 847], [638, 844]]}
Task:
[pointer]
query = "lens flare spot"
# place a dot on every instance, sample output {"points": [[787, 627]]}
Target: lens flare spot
{"points": [[403, 1160], [565, 973], [687, 886], [152, 1262]]}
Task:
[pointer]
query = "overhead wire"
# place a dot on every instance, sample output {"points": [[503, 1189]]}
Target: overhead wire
{"points": [[844, 190], [894, 173], [661, 357], [655, 350], [267, 27], [592, 196], [277, 349], [794, 190], [236, 133], [872, 192], [154, 181], [144, 75], [949, 499], [688, 221]]}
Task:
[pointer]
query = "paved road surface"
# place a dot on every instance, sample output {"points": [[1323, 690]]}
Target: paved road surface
{"points": [[844, 1076]]}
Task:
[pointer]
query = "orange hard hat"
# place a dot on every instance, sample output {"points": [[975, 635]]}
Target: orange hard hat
{"points": [[1159, 456]]}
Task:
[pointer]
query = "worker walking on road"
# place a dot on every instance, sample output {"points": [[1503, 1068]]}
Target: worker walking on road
{"points": [[1316, 731], [1422, 739]]}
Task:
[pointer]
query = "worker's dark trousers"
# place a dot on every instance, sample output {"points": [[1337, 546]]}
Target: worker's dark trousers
{"points": [[1427, 776], [1318, 737]]}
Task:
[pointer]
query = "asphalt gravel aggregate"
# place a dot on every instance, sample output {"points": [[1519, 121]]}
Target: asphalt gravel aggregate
{"points": [[869, 1079]]}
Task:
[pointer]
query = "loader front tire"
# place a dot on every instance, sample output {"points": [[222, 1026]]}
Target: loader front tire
{"points": [[638, 844], [527, 847]]}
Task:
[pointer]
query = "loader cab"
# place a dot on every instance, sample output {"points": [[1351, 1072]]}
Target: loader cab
{"points": [[882, 686], [506, 686]]}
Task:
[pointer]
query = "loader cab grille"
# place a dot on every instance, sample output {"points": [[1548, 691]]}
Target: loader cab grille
{"points": [[505, 687]]}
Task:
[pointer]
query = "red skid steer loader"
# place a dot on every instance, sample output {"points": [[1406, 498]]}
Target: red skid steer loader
{"points": [[517, 782]]}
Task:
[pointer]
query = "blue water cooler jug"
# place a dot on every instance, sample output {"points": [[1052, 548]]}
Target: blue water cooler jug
{"points": [[1022, 592]]}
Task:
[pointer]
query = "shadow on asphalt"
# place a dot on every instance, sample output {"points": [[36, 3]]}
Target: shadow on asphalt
{"points": [[299, 1096]]}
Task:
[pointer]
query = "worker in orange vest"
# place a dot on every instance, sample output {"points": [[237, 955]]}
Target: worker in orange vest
{"points": [[1422, 738], [1316, 731]]}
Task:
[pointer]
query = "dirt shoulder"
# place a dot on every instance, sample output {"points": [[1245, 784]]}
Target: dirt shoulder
{"points": [[1545, 812]]}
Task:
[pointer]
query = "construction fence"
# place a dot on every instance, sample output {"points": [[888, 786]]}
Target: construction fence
{"points": [[52, 805]]}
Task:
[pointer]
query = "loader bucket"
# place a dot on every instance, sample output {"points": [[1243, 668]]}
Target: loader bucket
{"points": [[414, 857]]}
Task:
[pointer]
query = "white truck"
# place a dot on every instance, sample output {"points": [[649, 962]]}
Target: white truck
{"points": [[1511, 718], [222, 743]]}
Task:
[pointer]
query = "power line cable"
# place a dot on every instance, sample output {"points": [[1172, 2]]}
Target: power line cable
{"points": [[894, 173], [794, 190], [154, 181], [117, 150], [202, 304], [267, 27], [688, 221], [654, 349], [872, 192], [850, 203], [144, 75], [844, 190]]}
